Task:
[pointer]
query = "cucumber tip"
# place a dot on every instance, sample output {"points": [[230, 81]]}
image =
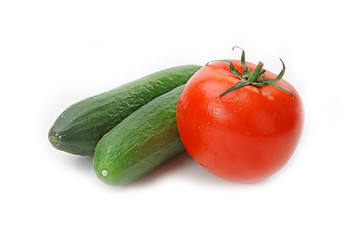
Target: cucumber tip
{"points": [[55, 141]]}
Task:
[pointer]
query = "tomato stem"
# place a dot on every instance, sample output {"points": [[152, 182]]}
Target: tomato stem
{"points": [[254, 75], [254, 78]]}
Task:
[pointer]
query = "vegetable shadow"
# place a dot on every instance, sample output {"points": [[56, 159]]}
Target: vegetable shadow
{"points": [[83, 163], [178, 163], [182, 166]]}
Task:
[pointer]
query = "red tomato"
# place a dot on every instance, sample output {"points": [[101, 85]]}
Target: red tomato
{"points": [[245, 135]]}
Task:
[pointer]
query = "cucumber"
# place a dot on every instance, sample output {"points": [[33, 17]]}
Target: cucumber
{"points": [[80, 127], [141, 142]]}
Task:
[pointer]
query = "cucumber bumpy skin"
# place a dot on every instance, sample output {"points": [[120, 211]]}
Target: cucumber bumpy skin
{"points": [[80, 127], [141, 142]]}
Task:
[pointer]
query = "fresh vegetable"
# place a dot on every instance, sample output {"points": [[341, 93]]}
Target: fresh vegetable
{"points": [[238, 120], [79, 128], [141, 142]]}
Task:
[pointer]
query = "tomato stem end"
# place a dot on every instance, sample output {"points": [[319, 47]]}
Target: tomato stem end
{"points": [[254, 78]]}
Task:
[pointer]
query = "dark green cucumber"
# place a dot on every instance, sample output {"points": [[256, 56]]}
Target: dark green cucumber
{"points": [[80, 127], [141, 142]]}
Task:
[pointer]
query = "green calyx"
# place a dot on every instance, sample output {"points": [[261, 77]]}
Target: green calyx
{"points": [[254, 78]]}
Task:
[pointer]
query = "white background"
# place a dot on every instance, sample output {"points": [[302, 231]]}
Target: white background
{"points": [[54, 53]]}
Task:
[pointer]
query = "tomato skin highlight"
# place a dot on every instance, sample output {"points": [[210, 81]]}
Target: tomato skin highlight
{"points": [[247, 134]]}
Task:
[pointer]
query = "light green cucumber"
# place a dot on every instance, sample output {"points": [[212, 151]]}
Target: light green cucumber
{"points": [[141, 142]]}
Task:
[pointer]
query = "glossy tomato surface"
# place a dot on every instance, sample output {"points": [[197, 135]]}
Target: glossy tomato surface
{"points": [[247, 134]]}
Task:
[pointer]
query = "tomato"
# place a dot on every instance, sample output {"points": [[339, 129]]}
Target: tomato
{"points": [[246, 134]]}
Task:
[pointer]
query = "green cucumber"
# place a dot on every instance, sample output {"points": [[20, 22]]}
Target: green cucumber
{"points": [[80, 127], [141, 142]]}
